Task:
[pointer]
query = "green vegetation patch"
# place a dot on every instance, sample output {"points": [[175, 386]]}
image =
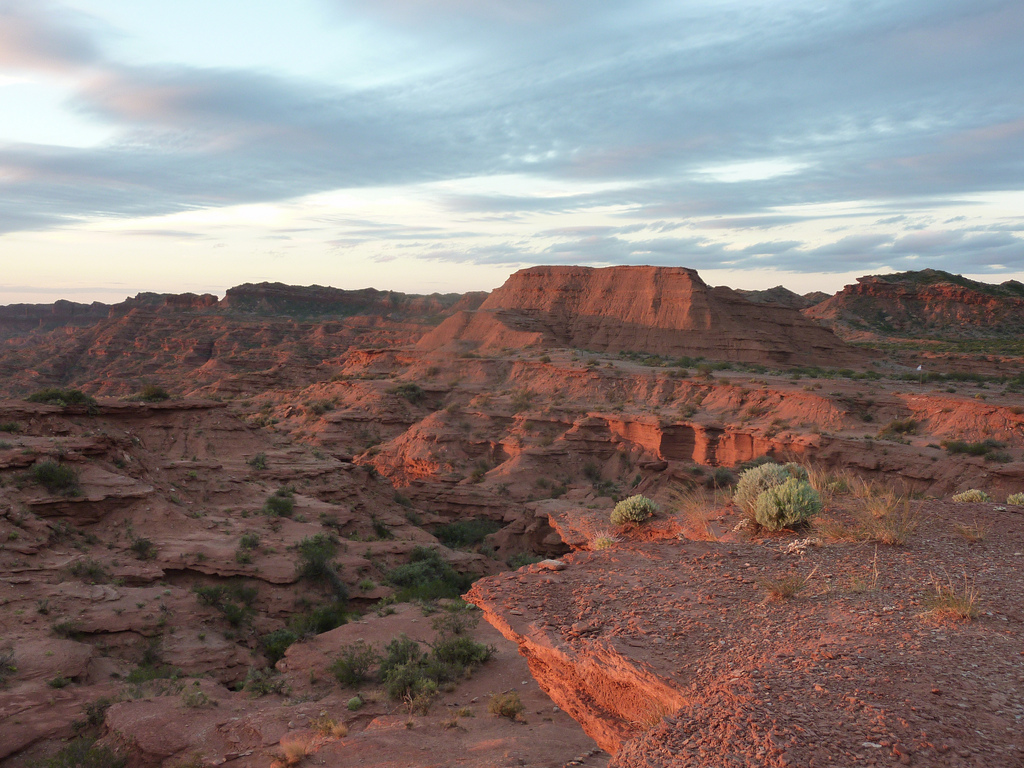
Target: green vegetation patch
{"points": [[427, 576], [463, 534]]}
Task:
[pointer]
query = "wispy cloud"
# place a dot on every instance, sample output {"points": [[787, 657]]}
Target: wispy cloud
{"points": [[718, 120]]}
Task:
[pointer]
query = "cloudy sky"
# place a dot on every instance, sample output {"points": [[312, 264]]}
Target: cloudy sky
{"points": [[438, 145]]}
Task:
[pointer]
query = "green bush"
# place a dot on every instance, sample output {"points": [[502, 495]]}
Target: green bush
{"points": [[352, 667], [354, 704], [144, 549], [795, 470], [506, 705], [316, 563], [427, 576], [973, 496], [783, 506], [1015, 499], [465, 533], [262, 682], [280, 504], [7, 665], [982, 448], [321, 619], [82, 753], [153, 393], [146, 672], [55, 477], [276, 643], [635, 509], [755, 481], [411, 392], [61, 397]]}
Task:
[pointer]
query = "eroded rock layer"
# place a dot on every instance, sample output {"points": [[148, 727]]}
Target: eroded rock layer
{"points": [[662, 310]]}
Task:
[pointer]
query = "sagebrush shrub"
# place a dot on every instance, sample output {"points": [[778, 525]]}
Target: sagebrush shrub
{"points": [[635, 509], [1015, 499], [755, 481], [972, 495], [782, 506]]}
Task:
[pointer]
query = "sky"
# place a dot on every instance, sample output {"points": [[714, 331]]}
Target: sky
{"points": [[439, 145]]}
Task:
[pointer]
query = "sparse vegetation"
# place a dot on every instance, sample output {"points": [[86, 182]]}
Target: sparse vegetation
{"points": [[972, 496], [55, 477], [462, 534], [144, 549], [82, 753], [316, 563], [427, 576], [280, 504], [153, 393], [7, 665], [352, 667], [263, 682], [62, 397], [1015, 499], [950, 600], [785, 587], [411, 392], [258, 462], [276, 643], [507, 704], [635, 509]]}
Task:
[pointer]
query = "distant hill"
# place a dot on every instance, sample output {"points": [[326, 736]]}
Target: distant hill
{"points": [[927, 304]]}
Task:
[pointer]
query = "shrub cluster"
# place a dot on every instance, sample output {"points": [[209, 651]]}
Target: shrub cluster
{"points": [[280, 504], [316, 563], [55, 477], [62, 397], [784, 506], [1015, 499], [972, 495], [465, 533], [777, 496], [409, 673], [427, 576], [635, 509]]}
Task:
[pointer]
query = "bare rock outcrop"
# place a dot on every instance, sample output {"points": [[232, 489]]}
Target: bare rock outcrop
{"points": [[663, 310], [673, 652]]}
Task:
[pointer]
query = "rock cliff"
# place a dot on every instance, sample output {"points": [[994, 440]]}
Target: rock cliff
{"points": [[925, 304], [661, 310]]}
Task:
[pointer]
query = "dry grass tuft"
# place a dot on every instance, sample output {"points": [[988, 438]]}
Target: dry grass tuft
{"points": [[862, 584], [951, 601], [829, 484], [785, 587], [326, 725], [294, 748], [973, 533], [603, 540], [696, 510], [880, 515], [889, 520]]}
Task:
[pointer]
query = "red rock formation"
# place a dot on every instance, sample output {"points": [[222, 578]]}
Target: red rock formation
{"points": [[662, 310], [924, 304]]}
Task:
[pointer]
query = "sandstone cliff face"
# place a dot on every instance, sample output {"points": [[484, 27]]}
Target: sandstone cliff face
{"points": [[922, 305], [667, 311]]}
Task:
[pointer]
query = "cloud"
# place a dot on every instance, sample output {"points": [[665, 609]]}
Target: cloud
{"points": [[913, 106], [38, 36]]}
